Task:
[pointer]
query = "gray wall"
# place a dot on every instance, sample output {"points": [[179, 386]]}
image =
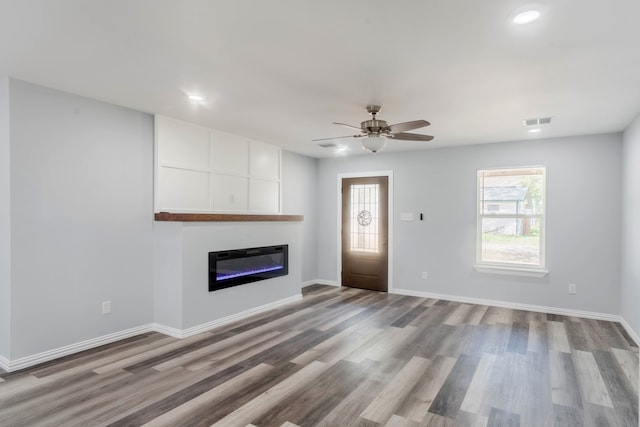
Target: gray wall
{"points": [[5, 224], [630, 291], [81, 215], [167, 274], [583, 220], [299, 188]]}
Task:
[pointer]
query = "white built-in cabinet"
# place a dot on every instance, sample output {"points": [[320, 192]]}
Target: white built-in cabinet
{"points": [[207, 171]]}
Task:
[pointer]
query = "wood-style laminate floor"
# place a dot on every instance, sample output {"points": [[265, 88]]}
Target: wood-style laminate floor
{"points": [[346, 357]]}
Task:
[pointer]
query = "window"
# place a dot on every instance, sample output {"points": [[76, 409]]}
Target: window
{"points": [[511, 205], [364, 217]]}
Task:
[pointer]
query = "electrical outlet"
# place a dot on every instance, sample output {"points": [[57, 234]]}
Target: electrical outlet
{"points": [[572, 289], [425, 275], [106, 307]]}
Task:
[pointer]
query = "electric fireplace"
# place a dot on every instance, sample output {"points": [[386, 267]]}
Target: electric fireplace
{"points": [[239, 266]]}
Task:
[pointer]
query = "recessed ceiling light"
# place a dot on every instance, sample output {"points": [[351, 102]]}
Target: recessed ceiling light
{"points": [[526, 17], [536, 130], [196, 98], [342, 151]]}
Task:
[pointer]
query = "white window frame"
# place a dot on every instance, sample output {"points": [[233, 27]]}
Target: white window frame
{"points": [[507, 267]]}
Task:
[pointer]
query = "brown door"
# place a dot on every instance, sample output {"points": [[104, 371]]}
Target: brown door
{"points": [[364, 232]]}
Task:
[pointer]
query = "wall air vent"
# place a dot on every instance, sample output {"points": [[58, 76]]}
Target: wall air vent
{"points": [[537, 122]]}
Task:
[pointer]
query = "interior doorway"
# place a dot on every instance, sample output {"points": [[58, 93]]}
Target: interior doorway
{"points": [[365, 232]]}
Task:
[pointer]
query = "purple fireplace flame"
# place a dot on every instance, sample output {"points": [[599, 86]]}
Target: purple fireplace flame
{"points": [[239, 266], [223, 276]]}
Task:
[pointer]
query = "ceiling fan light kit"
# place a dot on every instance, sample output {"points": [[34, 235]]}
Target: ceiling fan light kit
{"points": [[376, 131], [374, 143]]}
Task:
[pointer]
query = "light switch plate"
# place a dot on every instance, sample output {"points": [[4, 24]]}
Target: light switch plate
{"points": [[406, 216]]}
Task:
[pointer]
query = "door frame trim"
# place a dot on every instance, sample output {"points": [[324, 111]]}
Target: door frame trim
{"points": [[389, 175]]}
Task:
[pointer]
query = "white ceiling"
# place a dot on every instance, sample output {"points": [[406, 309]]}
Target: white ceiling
{"points": [[282, 70]]}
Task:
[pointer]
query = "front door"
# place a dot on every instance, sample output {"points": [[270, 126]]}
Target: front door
{"points": [[364, 232]]}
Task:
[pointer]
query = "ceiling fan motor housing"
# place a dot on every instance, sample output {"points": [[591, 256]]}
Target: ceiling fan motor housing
{"points": [[373, 126], [373, 109]]}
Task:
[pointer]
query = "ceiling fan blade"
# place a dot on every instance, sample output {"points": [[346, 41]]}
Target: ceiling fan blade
{"points": [[402, 127], [349, 126], [412, 137], [338, 137]]}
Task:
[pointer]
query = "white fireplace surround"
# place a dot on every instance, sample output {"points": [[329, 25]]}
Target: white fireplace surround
{"points": [[182, 300]]}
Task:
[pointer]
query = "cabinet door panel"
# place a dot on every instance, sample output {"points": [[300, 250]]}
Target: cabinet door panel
{"points": [[183, 144], [264, 161], [229, 193], [230, 153], [183, 190], [264, 196], [205, 170]]}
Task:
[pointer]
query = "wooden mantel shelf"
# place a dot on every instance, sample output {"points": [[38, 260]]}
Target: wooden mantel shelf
{"points": [[201, 217]]}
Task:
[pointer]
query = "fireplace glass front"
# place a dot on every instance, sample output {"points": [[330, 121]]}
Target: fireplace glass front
{"points": [[240, 266]]}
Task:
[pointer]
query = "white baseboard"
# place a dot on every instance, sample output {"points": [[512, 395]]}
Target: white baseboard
{"points": [[630, 331], [4, 364], [184, 333], [320, 282], [45, 356], [167, 330], [25, 362], [527, 307], [512, 305], [28, 361]]}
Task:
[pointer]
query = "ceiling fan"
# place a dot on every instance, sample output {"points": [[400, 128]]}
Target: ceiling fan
{"points": [[376, 131]]}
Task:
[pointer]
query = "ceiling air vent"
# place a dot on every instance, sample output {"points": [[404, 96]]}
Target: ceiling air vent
{"points": [[536, 122], [327, 145]]}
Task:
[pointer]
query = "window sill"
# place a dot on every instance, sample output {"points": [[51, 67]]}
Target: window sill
{"points": [[511, 271]]}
